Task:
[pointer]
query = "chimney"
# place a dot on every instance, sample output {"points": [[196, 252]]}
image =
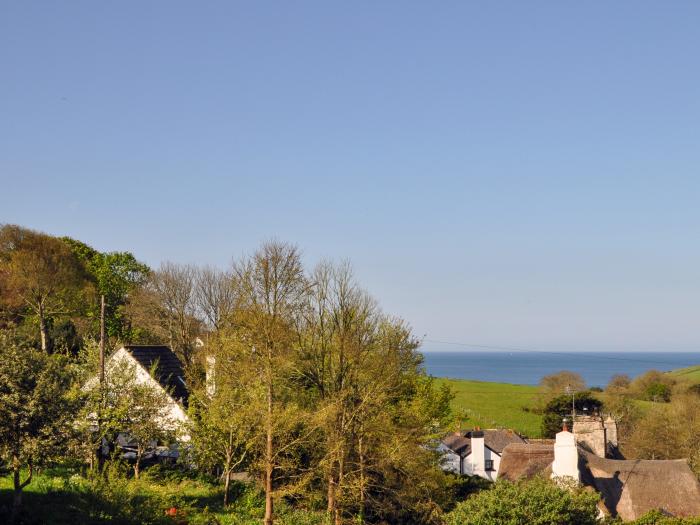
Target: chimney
{"points": [[209, 366], [565, 457], [478, 454], [590, 432], [611, 430]]}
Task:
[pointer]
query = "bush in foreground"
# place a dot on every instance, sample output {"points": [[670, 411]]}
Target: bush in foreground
{"points": [[533, 502]]}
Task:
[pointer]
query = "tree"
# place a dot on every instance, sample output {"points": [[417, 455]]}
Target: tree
{"points": [[618, 383], [40, 276], [36, 410], [165, 308], [669, 431], [115, 275], [535, 502], [360, 372], [563, 381], [560, 407], [270, 285], [126, 404], [215, 295], [653, 385], [227, 421]]}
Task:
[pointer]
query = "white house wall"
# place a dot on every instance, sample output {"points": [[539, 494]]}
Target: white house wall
{"points": [[450, 460], [472, 469], [175, 411]]}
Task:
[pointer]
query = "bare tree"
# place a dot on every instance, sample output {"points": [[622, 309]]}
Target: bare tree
{"points": [[214, 295], [166, 307]]}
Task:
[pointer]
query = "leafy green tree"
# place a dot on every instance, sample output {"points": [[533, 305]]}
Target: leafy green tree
{"points": [[560, 407], [226, 413], [653, 385], [37, 406], [535, 502], [270, 286], [657, 392], [40, 279], [115, 275], [124, 403]]}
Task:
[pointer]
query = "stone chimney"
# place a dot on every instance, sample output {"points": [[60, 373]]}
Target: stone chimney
{"points": [[590, 432], [565, 463], [611, 430], [210, 365], [478, 452]]}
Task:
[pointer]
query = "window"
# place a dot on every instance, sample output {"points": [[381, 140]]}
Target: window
{"points": [[488, 465]]}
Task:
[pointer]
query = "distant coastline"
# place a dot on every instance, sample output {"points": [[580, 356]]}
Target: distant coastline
{"points": [[526, 368]]}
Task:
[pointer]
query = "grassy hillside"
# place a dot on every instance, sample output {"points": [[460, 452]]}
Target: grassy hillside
{"points": [[495, 405], [690, 374]]}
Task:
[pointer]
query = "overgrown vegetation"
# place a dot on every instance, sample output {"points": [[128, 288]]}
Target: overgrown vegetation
{"points": [[298, 382]]}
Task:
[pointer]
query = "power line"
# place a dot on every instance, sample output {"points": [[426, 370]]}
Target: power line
{"points": [[567, 354]]}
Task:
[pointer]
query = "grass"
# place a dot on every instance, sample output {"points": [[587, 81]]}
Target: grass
{"points": [[495, 405], [690, 374], [64, 496]]}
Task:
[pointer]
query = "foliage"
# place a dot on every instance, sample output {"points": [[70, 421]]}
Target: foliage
{"points": [[560, 407], [669, 431], [36, 408], [564, 381], [125, 404], [658, 392], [618, 383], [657, 517], [40, 280], [535, 502], [653, 386], [115, 275]]}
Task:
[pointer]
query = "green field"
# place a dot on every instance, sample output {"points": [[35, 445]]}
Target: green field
{"points": [[691, 374], [495, 405]]}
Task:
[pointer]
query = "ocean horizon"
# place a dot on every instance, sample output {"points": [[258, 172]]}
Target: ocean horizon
{"points": [[528, 367]]}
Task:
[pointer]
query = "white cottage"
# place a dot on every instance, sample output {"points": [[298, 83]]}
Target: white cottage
{"points": [[476, 452], [168, 376]]}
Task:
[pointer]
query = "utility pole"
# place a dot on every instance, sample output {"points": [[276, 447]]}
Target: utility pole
{"points": [[571, 391], [102, 341]]}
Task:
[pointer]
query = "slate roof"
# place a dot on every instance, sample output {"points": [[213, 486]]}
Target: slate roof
{"points": [[169, 372], [496, 440]]}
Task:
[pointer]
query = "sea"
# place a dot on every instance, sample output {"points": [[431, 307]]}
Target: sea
{"points": [[527, 368]]}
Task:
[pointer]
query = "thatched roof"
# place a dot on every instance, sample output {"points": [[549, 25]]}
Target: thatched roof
{"points": [[495, 439], [525, 460], [631, 488]]}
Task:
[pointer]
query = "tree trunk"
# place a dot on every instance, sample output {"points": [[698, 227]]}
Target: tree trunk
{"points": [[330, 509], [341, 467], [43, 330], [227, 484], [361, 453], [268, 458], [17, 493], [18, 485], [136, 465]]}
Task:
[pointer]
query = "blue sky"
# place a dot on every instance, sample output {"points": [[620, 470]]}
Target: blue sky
{"points": [[500, 173]]}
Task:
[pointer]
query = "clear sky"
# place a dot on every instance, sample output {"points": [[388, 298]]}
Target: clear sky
{"points": [[502, 173]]}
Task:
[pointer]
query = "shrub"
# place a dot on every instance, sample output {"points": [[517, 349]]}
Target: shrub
{"points": [[535, 502], [656, 517], [657, 392]]}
